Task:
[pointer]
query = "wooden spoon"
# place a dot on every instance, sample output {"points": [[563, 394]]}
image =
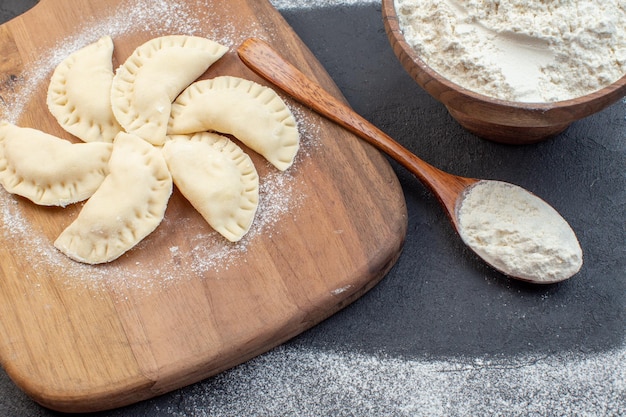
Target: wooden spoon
{"points": [[449, 189]]}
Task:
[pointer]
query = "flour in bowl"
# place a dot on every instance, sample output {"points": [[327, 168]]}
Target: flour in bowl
{"points": [[518, 233], [520, 50]]}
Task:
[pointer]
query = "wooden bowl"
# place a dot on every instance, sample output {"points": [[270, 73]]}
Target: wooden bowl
{"points": [[497, 120]]}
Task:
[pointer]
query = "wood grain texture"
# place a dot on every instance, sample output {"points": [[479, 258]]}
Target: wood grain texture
{"points": [[85, 338], [498, 120]]}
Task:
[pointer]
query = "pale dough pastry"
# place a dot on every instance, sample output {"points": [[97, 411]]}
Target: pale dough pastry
{"points": [[49, 170], [79, 93], [217, 178], [128, 206], [251, 112], [150, 79]]}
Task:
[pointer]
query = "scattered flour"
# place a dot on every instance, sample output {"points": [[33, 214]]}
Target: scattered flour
{"points": [[518, 233], [295, 381], [520, 50], [314, 4]]}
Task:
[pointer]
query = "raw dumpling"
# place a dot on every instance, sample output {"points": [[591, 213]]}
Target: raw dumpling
{"points": [[146, 84], [217, 178], [128, 206], [49, 170], [79, 94], [253, 113]]}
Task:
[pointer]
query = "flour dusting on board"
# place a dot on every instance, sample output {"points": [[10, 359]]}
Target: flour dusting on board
{"points": [[279, 191]]}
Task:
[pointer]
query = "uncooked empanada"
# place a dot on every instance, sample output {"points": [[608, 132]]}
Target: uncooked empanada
{"points": [[251, 112], [150, 79], [49, 170], [128, 206], [217, 178], [79, 93]]}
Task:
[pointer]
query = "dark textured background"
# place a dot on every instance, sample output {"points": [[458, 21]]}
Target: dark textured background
{"points": [[439, 301]]}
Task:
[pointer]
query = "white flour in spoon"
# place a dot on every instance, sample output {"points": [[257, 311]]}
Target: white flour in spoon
{"points": [[518, 233], [520, 50]]}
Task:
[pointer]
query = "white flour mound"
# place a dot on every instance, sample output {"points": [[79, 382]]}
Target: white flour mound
{"points": [[520, 50], [518, 233]]}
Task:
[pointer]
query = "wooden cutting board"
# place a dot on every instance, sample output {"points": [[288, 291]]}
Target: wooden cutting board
{"points": [[184, 304]]}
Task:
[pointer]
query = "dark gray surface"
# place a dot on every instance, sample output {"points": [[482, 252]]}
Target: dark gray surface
{"points": [[439, 302]]}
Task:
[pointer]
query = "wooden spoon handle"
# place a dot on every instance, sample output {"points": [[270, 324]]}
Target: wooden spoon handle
{"points": [[265, 61], [269, 64]]}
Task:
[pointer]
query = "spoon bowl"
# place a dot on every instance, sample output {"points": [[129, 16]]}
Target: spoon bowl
{"points": [[450, 190]]}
